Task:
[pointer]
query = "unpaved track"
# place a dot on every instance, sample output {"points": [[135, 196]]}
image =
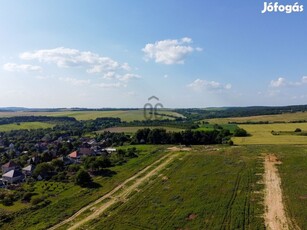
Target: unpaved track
{"points": [[275, 215], [122, 195]]}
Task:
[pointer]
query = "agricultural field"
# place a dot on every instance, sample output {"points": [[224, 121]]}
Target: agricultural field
{"points": [[124, 115], [285, 117], [203, 188], [133, 129], [262, 134], [25, 125]]}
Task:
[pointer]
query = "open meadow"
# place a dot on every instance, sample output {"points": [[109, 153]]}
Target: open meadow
{"points": [[202, 188], [124, 115], [262, 134], [284, 117], [25, 125]]}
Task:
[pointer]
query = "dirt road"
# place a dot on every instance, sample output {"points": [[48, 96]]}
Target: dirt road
{"points": [[275, 215], [121, 192]]}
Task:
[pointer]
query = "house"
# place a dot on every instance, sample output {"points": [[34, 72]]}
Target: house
{"points": [[33, 161], [75, 156], [11, 165], [12, 176], [28, 170], [86, 151]]}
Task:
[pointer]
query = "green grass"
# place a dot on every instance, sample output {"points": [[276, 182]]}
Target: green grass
{"points": [[293, 172], [65, 202], [206, 127], [25, 125], [125, 115], [215, 189], [133, 129], [261, 134], [285, 117]]}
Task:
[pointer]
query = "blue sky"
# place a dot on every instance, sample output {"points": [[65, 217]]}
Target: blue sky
{"points": [[116, 53]]}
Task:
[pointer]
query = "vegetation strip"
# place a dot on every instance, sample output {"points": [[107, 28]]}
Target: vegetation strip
{"points": [[126, 191]]}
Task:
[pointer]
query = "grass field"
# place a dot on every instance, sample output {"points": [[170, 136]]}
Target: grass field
{"points": [[125, 115], [25, 125], [285, 117], [205, 189], [133, 129], [205, 127], [293, 171], [261, 134]]}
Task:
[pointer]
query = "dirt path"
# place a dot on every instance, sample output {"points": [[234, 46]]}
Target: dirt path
{"points": [[275, 215], [123, 190]]}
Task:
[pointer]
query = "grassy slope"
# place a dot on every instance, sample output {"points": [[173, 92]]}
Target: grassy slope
{"points": [[218, 187], [286, 117], [66, 203], [125, 115], [25, 125], [261, 134]]}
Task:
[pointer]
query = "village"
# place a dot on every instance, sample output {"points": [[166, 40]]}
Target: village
{"points": [[14, 174]]}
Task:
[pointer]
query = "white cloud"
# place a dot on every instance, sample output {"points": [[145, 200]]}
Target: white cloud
{"points": [[126, 67], [278, 83], [125, 77], [282, 82], [13, 67], [65, 57], [74, 81], [199, 85], [128, 77], [111, 85], [109, 75], [169, 51]]}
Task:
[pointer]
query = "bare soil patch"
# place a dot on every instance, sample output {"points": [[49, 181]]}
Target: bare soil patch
{"points": [[275, 215], [176, 149]]}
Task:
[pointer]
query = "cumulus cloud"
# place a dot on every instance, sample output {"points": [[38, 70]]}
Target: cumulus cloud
{"points": [[169, 51], [200, 84], [13, 67], [282, 82], [74, 81], [278, 83], [65, 57]]}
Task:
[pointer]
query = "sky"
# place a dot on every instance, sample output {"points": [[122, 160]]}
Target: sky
{"points": [[196, 53]]}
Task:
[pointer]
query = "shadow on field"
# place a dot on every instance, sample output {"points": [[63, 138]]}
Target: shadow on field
{"points": [[105, 173]]}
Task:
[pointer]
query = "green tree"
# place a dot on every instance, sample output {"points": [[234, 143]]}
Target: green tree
{"points": [[239, 132], [83, 178]]}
